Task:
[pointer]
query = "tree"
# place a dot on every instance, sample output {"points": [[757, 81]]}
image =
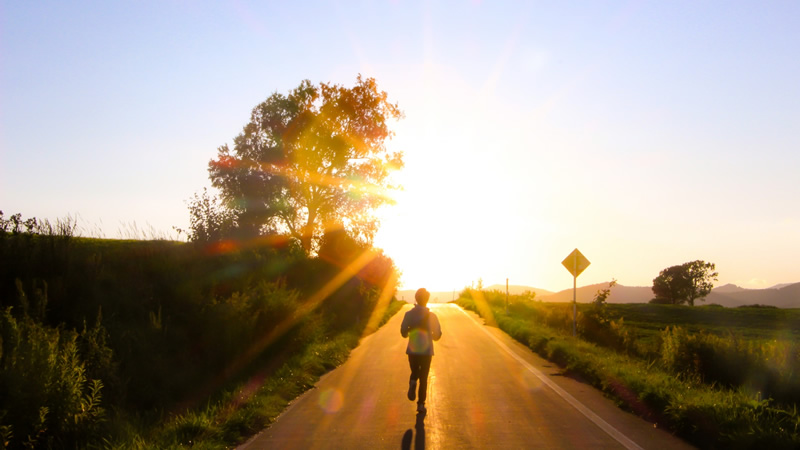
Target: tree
{"points": [[311, 159], [208, 220], [599, 300], [685, 283]]}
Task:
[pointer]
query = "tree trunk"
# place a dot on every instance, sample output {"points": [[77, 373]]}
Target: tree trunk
{"points": [[308, 231]]}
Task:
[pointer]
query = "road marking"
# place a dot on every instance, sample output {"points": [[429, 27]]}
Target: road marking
{"points": [[583, 409]]}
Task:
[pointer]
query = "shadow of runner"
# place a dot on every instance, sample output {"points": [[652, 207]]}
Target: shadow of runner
{"points": [[419, 440]]}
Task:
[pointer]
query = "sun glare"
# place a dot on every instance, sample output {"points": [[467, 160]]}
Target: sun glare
{"points": [[437, 231]]}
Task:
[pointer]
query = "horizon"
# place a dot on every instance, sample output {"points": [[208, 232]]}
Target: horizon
{"points": [[580, 286], [645, 135]]}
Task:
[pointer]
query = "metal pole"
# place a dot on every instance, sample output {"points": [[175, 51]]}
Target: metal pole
{"points": [[574, 297]]}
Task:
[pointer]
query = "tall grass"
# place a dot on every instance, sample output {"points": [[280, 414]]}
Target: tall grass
{"points": [[48, 399]]}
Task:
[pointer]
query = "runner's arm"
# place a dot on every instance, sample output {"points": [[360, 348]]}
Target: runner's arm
{"points": [[436, 329]]}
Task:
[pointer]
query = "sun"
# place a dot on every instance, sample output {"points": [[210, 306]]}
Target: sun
{"points": [[435, 233]]}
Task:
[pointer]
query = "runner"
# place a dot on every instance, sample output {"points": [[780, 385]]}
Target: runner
{"points": [[422, 328]]}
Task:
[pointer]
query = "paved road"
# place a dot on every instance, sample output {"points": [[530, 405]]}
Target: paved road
{"points": [[485, 391]]}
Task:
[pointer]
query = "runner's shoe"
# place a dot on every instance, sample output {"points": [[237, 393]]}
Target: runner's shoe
{"points": [[412, 390]]}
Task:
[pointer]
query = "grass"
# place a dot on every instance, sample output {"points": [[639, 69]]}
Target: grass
{"points": [[253, 405], [170, 330], [707, 415], [647, 321], [248, 408]]}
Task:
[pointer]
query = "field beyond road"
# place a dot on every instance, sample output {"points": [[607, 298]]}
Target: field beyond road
{"points": [[648, 320]]}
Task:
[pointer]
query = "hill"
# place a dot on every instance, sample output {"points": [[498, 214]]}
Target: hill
{"points": [[727, 288], [619, 294], [784, 297], [727, 295]]}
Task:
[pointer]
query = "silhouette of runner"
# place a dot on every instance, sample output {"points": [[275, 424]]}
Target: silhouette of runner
{"points": [[422, 328]]}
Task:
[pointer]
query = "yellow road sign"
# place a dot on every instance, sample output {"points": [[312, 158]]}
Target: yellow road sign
{"points": [[575, 263]]}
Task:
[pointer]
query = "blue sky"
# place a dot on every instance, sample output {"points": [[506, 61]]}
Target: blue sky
{"points": [[647, 134]]}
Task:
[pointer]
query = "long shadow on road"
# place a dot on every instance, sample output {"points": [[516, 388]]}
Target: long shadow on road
{"points": [[419, 440]]}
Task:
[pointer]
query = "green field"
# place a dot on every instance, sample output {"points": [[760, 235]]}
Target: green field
{"points": [[648, 320]]}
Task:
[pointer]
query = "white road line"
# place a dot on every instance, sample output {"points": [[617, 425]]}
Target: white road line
{"points": [[605, 426]]}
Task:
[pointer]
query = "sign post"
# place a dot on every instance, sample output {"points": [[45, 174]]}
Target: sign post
{"points": [[575, 264]]}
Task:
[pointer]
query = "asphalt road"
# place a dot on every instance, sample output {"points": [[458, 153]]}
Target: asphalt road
{"points": [[485, 391]]}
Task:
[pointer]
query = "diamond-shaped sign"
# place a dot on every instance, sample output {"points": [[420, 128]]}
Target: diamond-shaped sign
{"points": [[575, 263]]}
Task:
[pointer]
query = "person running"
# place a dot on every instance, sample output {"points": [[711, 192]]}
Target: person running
{"points": [[421, 327]]}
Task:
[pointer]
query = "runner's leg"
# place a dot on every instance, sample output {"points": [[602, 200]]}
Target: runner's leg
{"points": [[424, 368]]}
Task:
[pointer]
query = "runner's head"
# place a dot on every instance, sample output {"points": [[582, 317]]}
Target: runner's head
{"points": [[422, 296]]}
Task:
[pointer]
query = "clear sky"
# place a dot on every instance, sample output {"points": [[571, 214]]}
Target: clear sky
{"points": [[644, 133]]}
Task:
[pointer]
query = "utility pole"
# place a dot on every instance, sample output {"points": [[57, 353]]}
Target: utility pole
{"points": [[506, 296]]}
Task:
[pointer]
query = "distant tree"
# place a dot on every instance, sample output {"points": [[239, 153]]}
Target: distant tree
{"points": [[310, 159], [598, 310], [209, 221], [599, 300], [685, 283]]}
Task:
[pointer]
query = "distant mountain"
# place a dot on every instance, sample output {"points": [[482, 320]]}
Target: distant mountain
{"points": [[515, 289], [727, 295], [787, 296], [730, 295], [779, 286], [728, 288], [619, 294]]}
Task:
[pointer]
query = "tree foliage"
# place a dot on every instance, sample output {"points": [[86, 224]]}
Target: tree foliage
{"points": [[309, 159], [684, 283], [209, 220]]}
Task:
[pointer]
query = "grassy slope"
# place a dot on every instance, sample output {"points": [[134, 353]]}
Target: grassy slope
{"points": [[246, 409], [176, 316]]}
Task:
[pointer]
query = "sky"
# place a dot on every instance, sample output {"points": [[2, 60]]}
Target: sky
{"points": [[646, 134]]}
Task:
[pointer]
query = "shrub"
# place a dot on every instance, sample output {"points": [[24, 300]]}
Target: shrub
{"points": [[48, 400]]}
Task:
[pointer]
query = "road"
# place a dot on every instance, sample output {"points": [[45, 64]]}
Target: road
{"points": [[485, 391]]}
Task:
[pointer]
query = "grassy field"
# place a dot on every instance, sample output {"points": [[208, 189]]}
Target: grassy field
{"points": [[719, 378], [647, 321]]}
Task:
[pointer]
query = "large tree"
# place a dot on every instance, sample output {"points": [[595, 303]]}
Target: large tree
{"points": [[684, 283], [311, 160]]}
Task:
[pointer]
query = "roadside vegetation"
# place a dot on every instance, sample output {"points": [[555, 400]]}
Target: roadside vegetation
{"points": [[160, 344], [720, 378]]}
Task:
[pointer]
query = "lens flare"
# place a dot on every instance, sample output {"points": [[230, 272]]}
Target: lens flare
{"points": [[331, 400], [418, 341]]}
